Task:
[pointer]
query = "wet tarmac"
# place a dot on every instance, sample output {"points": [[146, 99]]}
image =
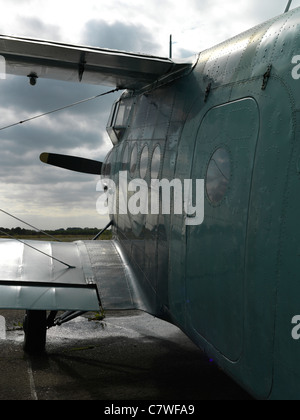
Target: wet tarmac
{"points": [[128, 356]]}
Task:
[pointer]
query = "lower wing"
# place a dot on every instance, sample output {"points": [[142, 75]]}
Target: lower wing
{"points": [[77, 276]]}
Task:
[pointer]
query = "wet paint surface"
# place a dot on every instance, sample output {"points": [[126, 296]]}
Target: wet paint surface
{"points": [[131, 356]]}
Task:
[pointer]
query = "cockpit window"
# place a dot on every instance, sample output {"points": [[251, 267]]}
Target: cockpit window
{"points": [[119, 119], [125, 160]]}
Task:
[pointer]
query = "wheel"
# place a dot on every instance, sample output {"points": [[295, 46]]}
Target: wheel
{"points": [[35, 329]]}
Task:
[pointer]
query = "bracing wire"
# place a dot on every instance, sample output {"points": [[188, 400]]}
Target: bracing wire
{"points": [[25, 223], [35, 249], [59, 109]]}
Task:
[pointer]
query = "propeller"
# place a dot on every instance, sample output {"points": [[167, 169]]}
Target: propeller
{"points": [[72, 163]]}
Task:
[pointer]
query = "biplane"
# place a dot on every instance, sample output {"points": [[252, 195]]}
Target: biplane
{"points": [[229, 117]]}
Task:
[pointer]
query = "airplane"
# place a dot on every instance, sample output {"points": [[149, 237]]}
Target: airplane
{"points": [[230, 117]]}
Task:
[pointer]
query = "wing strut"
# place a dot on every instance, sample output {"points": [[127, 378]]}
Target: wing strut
{"points": [[103, 230], [25, 223]]}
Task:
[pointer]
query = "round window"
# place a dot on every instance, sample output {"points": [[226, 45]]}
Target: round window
{"points": [[125, 158], [144, 161], [155, 163], [133, 161], [218, 175]]}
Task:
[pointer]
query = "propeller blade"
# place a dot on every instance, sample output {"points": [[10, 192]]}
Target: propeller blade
{"points": [[72, 163]]}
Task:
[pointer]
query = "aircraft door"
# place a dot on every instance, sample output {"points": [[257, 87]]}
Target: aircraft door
{"points": [[215, 270]]}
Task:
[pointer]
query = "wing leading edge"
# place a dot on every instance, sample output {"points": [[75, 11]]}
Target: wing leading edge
{"points": [[29, 57]]}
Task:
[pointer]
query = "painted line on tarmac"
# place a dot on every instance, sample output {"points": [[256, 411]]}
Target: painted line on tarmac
{"points": [[31, 381], [2, 328]]}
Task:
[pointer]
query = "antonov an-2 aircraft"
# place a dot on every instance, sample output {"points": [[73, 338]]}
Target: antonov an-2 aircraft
{"points": [[230, 118]]}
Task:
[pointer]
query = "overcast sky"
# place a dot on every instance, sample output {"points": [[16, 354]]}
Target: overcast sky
{"points": [[53, 198]]}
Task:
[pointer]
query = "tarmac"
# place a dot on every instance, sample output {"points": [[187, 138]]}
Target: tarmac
{"points": [[129, 356]]}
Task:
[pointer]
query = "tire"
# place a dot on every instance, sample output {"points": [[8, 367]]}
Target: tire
{"points": [[35, 329]]}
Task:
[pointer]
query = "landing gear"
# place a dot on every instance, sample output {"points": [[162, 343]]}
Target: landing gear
{"points": [[36, 324], [35, 329]]}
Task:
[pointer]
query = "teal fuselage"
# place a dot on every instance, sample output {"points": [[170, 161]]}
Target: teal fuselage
{"points": [[232, 283]]}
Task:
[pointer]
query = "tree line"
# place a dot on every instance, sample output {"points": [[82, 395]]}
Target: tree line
{"points": [[72, 231]]}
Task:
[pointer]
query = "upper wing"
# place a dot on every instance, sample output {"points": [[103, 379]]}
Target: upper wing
{"points": [[53, 60]]}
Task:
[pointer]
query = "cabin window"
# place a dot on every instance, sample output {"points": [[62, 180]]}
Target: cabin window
{"points": [[155, 163], [119, 119], [144, 162], [125, 159], [133, 160], [218, 175]]}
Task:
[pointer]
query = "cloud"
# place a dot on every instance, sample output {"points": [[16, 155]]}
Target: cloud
{"points": [[82, 126], [31, 26], [119, 36]]}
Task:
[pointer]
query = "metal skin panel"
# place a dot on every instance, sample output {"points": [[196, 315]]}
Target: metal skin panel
{"points": [[31, 280], [47, 297], [117, 285]]}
